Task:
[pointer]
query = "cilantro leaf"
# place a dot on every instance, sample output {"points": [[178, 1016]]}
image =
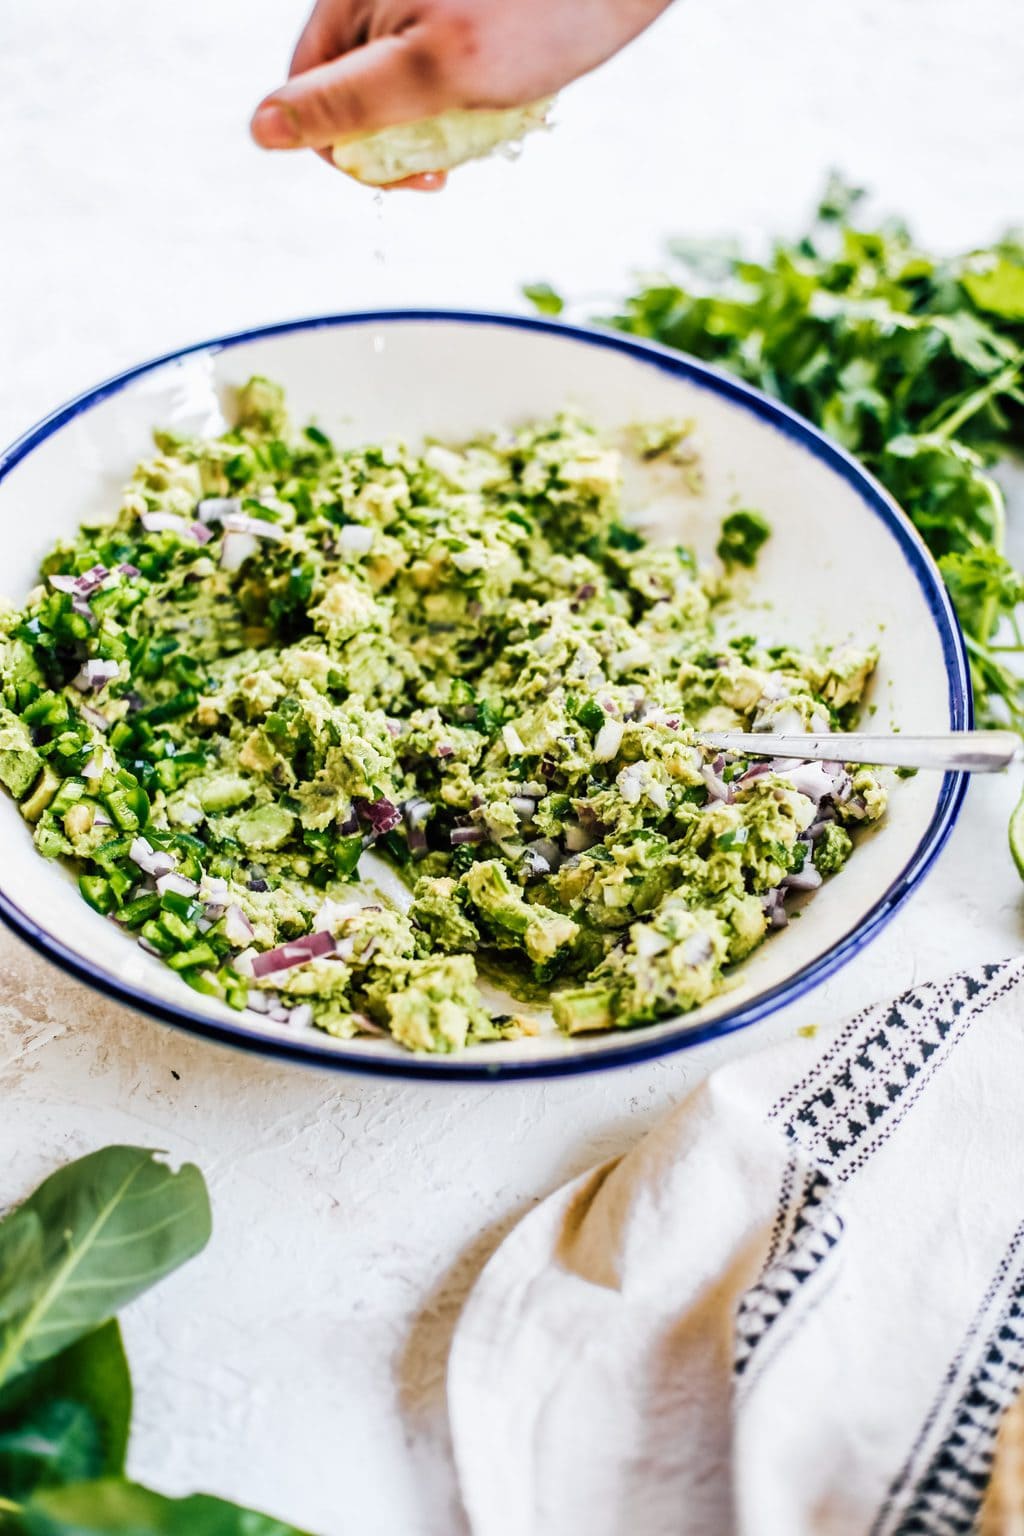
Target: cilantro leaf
{"points": [[743, 534]]}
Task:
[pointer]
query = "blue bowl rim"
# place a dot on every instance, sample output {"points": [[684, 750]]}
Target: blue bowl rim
{"points": [[634, 1046]]}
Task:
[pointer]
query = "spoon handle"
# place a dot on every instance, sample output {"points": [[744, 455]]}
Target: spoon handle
{"points": [[956, 751]]}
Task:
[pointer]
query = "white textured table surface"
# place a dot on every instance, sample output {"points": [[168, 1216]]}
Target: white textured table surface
{"points": [[298, 1365]]}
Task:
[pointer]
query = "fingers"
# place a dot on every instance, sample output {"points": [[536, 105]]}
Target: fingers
{"points": [[334, 27], [394, 80], [427, 181]]}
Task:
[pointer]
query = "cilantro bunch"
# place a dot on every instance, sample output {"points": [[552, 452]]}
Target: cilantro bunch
{"points": [[912, 361]]}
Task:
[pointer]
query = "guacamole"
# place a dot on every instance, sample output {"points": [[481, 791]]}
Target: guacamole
{"points": [[279, 654]]}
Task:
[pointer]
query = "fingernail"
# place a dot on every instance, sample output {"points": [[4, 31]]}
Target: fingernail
{"points": [[276, 127]]}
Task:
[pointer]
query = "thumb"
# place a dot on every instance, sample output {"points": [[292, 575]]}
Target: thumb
{"points": [[393, 80]]}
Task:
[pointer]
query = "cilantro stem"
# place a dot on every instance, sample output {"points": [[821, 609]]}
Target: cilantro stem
{"points": [[974, 402], [998, 506]]}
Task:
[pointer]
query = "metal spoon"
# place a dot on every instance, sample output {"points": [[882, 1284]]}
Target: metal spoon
{"points": [[956, 751]]}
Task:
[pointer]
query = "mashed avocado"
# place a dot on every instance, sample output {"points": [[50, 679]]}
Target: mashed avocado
{"points": [[279, 654]]}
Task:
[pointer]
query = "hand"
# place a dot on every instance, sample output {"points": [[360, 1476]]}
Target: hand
{"points": [[362, 65]]}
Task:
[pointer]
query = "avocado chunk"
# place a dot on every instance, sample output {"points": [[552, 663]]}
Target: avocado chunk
{"points": [[544, 933], [225, 793], [265, 828], [583, 1009], [438, 1006], [832, 849], [19, 761], [39, 799], [438, 915]]}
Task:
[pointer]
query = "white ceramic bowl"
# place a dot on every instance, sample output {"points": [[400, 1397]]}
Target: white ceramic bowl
{"points": [[843, 562]]}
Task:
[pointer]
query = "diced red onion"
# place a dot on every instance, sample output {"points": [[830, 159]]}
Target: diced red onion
{"points": [[842, 780], [576, 839], [514, 743], [810, 779], [805, 879], [631, 658], [416, 814], [775, 688], [100, 722], [81, 586], [80, 606], [755, 771], [524, 806], [547, 850], [95, 673], [177, 883], [239, 522], [657, 794], [355, 539], [242, 963], [259, 1002], [394, 727], [462, 835], [129, 571], [150, 949], [535, 864], [774, 908], [444, 750], [286, 957], [788, 722], [648, 942], [383, 815], [631, 783], [163, 522], [333, 914], [350, 824], [608, 741], [200, 533], [237, 927], [236, 549], [698, 949], [301, 1017], [717, 788], [368, 1026], [213, 509], [154, 862], [214, 890]]}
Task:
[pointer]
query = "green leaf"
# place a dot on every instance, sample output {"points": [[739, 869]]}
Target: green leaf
{"points": [[544, 298], [110, 1507], [975, 343], [743, 534], [998, 288], [839, 199], [92, 1237], [56, 1442], [92, 1374]]}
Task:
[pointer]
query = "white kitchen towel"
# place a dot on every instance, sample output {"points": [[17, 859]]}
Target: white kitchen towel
{"points": [[796, 1307]]}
